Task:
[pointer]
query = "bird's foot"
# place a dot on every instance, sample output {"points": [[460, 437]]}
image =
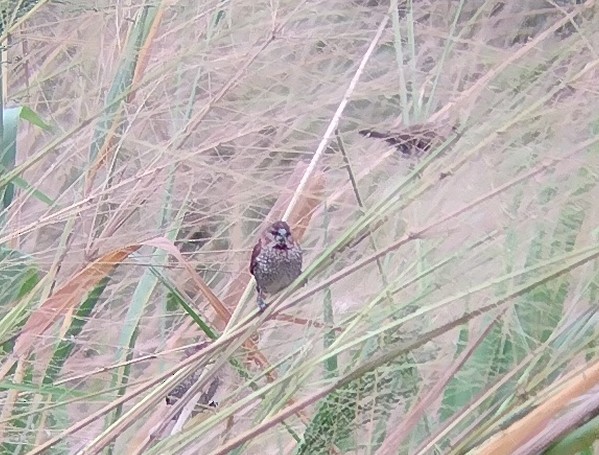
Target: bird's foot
{"points": [[261, 304]]}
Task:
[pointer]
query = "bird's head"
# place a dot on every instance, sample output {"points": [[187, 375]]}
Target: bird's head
{"points": [[281, 235]]}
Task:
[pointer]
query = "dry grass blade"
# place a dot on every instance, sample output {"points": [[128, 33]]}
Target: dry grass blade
{"points": [[65, 298], [330, 131], [583, 412], [139, 37], [340, 382], [235, 79], [222, 312], [397, 436], [180, 129], [307, 203], [529, 426], [420, 232], [60, 304], [158, 385], [472, 93], [168, 246]]}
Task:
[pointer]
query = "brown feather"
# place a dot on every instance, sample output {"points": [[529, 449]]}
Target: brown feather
{"points": [[255, 253]]}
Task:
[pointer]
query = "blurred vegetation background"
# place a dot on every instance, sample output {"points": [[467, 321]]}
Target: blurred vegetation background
{"points": [[449, 300]]}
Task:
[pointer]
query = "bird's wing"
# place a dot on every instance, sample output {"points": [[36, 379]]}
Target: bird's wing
{"points": [[255, 253]]}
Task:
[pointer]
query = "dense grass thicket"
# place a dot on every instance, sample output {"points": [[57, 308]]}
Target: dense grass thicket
{"points": [[448, 303]]}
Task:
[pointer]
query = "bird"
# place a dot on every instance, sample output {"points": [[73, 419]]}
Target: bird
{"points": [[276, 261], [414, 140], [181, 389]]}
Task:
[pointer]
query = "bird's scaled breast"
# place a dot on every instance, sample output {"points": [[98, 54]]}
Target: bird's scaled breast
{"points": [[276, 269]]}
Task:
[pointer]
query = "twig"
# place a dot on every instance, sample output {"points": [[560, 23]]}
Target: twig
{"points": [[335, 120]]}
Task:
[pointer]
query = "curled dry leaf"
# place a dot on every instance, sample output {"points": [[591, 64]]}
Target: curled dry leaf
{"points": [[65, 299], [68, 296], [168, 246]]}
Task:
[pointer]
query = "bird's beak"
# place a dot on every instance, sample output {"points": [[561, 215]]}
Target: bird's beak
{"points": [[282, 237]]}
